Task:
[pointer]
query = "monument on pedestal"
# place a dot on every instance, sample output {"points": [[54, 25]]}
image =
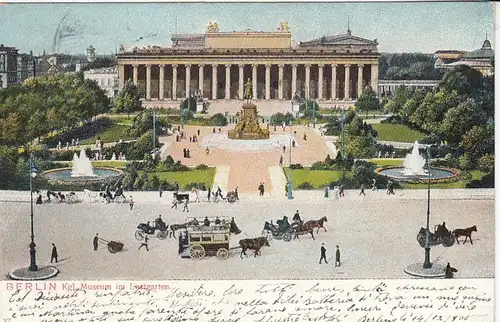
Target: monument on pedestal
{"points": [[248, 127]]}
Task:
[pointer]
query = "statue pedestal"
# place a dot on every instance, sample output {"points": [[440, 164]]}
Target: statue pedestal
{"points": [[248, 127], [199, 107]]}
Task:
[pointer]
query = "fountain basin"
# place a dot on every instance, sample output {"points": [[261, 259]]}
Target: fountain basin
{"points": [[438, 175], [64, 176]]}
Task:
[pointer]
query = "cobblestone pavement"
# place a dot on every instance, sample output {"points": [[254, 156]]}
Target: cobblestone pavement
{"points": [[376, 235]]}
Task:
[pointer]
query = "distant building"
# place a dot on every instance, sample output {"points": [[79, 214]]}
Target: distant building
{"points": [[106, 78], [481, 59], [54, 64], [8, 65], [25, 67], [91, 54]]}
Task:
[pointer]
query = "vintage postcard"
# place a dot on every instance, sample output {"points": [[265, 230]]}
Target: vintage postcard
{"points": [[247, 161]]}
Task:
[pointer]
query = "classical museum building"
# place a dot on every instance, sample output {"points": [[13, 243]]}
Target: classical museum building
{"points": [[218, 64]]}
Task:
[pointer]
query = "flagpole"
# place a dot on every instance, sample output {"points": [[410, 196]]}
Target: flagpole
{"points": [[33, 266]]}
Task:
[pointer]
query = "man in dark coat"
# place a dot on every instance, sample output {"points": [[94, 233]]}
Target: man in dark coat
{"points": [[54, 253], [181, 243], [96, 241], [296, 217], [323, 253], [449, 271], [337, 257]]}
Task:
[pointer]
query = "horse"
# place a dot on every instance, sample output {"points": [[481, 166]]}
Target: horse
{"points": [[175, 227], [316, 223], [254, 244], [301, 229], [464, 232]]}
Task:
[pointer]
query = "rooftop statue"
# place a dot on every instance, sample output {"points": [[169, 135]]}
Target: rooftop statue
{"points": [[284, 26], [212, 27]]}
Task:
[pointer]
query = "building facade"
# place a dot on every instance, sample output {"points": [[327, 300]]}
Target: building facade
{"points": [[106, 78], [8, 65], [217, 65], [481, 59], [25, 67]]}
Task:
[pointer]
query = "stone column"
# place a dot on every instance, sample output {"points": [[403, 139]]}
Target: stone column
{"points": [[334, 82], [188, 80], [214, 82], [240, 81], [320, 82], [254, 82], [148, 82], [360, 80], [308, 76], [280, 81], [162, 82], [228, 81], [294, 80], [374, 80], [346, 81], [174, 82], [268, 82], [201, 78], [121, 77], [135, 74]]}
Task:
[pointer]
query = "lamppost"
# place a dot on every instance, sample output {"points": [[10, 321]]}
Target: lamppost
{"points": [[427, 261], [154, 128], [289, 183], [33, 170]]}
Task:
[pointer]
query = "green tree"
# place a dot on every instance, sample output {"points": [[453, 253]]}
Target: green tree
{"points": [[458, 120], [396, 104], [128, 100], [280, 118], [463, 79], [430, 113], [479, 140], [359, 146], [486, 163], [7, 167], [367, 101], [219, 120]]}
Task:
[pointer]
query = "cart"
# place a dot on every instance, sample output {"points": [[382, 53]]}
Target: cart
{"points": [[113, 246]]}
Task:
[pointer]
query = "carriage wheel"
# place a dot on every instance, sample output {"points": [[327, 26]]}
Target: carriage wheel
{"points": [[162, 235], [222, 253], [268, 234], [287, 237], [139, 234], [448, 241], [111, 249], [196, 252]]}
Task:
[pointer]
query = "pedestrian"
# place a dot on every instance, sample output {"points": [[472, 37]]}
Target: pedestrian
{"points": [[186, 202], [261, 189], [327, 190], [236, 193], [209, 193], [198, 132], [181, 243], [341, 191], [213, 130], [207, 151], [190, 139], [449, 271], [131, 202], [391, 188], [160, 190], [305, 136], [284, 148], [281, 161], [54, 253], [374, 185], [362, 192], [174, 202], [145, 243], [323, 253], [337, 257], [286, 189], [96, 241], [176, 186]]}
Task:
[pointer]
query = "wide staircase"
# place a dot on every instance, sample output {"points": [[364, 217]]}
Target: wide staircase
{"points": [[264, 108]]}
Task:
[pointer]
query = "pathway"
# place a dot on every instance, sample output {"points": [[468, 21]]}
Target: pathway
{"points": [[221, 179]]}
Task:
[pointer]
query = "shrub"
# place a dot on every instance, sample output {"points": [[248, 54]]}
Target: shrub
{"points": [[296, 166], [155, 182], [219, 120], [305, 186], [195, 185], [87, 130], [486, 163], [487, 181], [280, 118], [201, 167]]}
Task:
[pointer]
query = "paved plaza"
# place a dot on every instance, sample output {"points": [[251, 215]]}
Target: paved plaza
{"points": [[376, 234]]}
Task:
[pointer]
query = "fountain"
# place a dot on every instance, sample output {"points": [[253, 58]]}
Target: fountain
{"points": [[414, 169], [414, 163], [81, 172], [82, 167]]}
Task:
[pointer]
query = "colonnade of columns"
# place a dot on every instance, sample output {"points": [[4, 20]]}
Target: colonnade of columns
{"points": [[267, 92]]}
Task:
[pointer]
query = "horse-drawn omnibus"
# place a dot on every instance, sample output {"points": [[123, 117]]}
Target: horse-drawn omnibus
{"points": [[208, 236]]}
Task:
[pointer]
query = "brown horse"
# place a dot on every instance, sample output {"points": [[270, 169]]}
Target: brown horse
{"points": [[175, 227], [301, 229], [316, 224], [254, 244], [464, 232]]}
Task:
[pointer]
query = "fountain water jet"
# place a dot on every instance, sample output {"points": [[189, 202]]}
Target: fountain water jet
{"points": [[82, 167], [414, 163]]}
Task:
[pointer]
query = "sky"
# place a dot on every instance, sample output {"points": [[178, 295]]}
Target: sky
{"points": [[398, 27]]}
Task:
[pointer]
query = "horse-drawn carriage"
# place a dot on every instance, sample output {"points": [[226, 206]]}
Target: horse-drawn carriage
{"points": [[284, 230], [212, 239], [441, 235], [144, 229]]}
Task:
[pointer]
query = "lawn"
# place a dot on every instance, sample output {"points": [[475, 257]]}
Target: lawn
{"points": [[185, 177], [318, 178], [112, 134], [396, 133], [122, 119]]}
